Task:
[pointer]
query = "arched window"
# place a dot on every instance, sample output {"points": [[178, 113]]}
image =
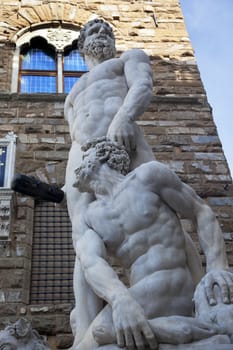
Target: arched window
{"points": [[74, 67], [47, 61], [38, 68]]}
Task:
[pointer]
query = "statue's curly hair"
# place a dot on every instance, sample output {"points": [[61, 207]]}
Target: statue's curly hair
{"points": [[82, 34], [110, 152]]}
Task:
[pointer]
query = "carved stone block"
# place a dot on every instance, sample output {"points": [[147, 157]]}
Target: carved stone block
{"points": [[21, 336], [6, 202]]}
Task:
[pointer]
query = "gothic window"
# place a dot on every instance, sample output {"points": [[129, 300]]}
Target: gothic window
{"points": [[47, 61], [38, 68], [73, 67]]}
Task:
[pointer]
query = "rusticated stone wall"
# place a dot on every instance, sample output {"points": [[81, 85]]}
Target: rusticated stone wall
{"points": [[178, 125]]}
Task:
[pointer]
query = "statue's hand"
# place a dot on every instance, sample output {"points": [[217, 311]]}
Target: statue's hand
{"points": [[131, 326], [224, 279], [123, 132]]}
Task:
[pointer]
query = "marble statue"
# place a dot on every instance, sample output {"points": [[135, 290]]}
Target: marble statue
{"points": [[123, 203], [135, 218], [105, 101], [21, 336]]}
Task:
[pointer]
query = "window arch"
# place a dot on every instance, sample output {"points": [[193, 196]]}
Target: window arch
{"points": [[47, 61], [38, 68], [73, 68]]}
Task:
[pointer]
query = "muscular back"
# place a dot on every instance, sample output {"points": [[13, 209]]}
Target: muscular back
{"points": [[95, 99]]}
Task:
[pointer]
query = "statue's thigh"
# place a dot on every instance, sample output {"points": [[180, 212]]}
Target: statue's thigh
{"points": [[110, 347], [217, 342]]}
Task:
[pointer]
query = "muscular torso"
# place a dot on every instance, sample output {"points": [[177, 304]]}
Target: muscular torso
{"points": [[95, 99], [145, 235], [90, 108]]}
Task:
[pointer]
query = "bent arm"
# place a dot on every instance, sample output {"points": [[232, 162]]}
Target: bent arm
{"points": [[183, 200], [188, 203], [138, 76], [208, 228], [129, 321], [210, 236], [98, 273]]}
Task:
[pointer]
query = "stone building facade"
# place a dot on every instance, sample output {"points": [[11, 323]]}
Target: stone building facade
{"points": [[36, 259]]}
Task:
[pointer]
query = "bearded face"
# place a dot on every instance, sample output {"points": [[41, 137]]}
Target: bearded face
{"points": [[99, 46]]}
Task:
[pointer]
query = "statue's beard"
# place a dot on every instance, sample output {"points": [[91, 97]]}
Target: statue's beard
{"points": [[100, 48]]}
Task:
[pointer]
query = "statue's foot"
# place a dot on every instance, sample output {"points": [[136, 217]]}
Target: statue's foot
{"points": [[104, 334]]}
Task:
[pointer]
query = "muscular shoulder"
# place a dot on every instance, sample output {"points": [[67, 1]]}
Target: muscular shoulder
{"points": [[154, 167], [157, 175], [109, 68], [135, 55], [137, 68]]}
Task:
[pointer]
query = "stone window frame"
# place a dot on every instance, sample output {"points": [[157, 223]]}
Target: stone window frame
{"points": [[6, 194], [38, 68], [9, 141], [60, 37]]}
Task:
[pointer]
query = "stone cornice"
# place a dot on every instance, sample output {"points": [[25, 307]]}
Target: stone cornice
{"points": [[32, 97], [195, 99]]}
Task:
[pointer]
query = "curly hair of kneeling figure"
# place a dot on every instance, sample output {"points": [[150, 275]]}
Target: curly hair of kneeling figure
{"points": [[112, 153]]}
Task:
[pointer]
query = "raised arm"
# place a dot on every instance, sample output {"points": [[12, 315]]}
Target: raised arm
{"points": [[138, 75], [128, 317]]}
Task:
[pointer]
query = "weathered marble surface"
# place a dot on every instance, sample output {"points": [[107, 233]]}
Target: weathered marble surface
{"points": [[105, 101], [21, 336], [135, 218]]}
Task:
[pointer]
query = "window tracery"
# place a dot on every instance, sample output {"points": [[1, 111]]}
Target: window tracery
{"points": [[46, 60]]}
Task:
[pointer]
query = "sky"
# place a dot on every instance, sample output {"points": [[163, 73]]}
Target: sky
{"points": [[210, 27]]}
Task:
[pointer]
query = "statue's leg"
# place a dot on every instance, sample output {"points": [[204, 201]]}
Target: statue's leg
{"points": [[102, 327], [110, 347], [87, 304], [170, 329], [143, 152], [217, 342], [180, 329]]}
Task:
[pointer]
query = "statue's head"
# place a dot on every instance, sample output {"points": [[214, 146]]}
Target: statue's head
{"points": [[21, 336], [96, 153], [97, 40], [109, 152]]}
